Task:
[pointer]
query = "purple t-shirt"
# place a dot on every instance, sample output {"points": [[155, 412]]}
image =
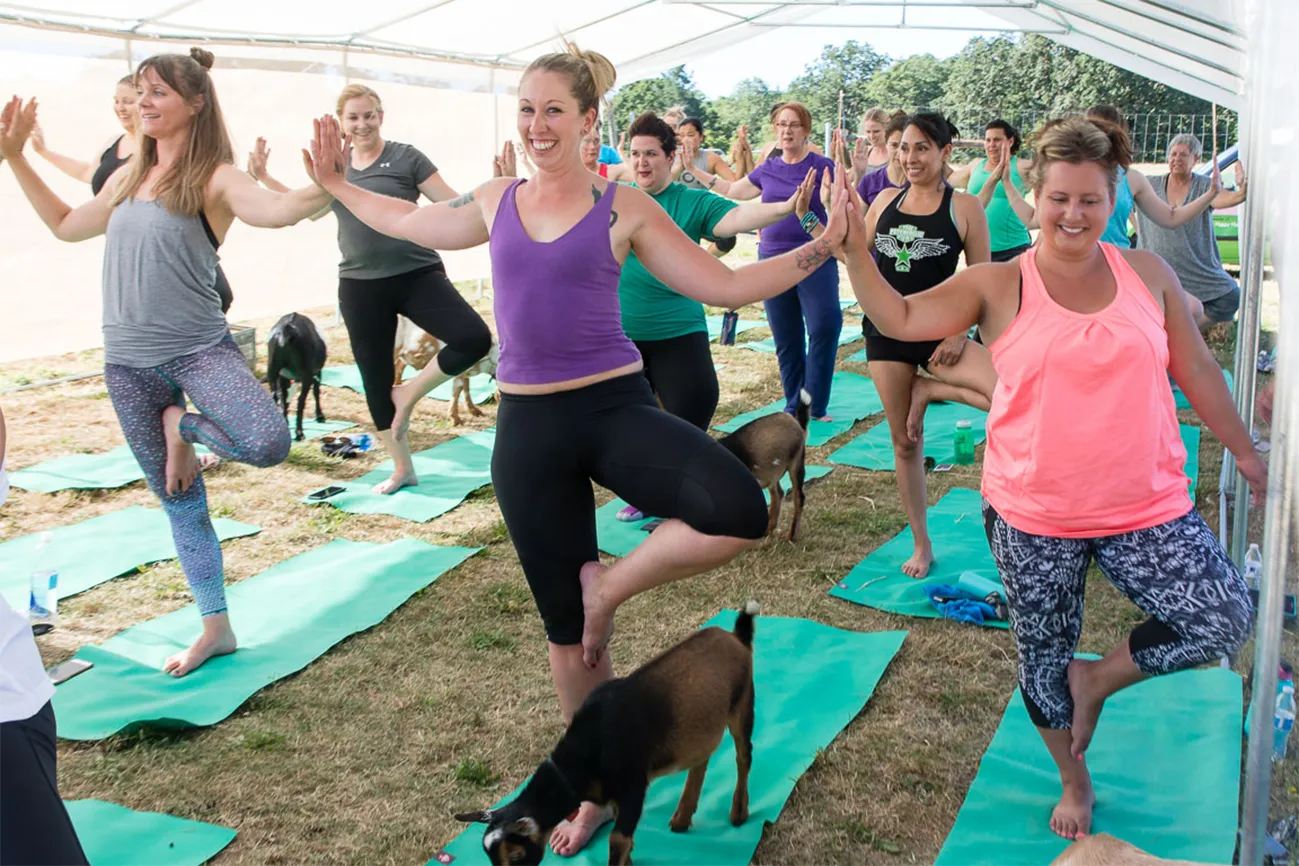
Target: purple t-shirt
{"points": [[873, 183], [778, 179]]}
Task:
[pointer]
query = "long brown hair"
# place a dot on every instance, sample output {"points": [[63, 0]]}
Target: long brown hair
{"points": [[182, 187]]}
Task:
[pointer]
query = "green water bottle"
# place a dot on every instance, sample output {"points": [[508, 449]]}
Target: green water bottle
{"points": [[963, 450]]}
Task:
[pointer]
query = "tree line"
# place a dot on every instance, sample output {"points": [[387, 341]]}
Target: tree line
{"points": [[1024, 78]]}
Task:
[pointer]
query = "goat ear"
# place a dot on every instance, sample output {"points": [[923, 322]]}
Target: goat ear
{"points": [[524, 827], [479, 817]]}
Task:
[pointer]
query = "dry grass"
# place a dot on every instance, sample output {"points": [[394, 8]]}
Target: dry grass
{"points": [[364, 755]]}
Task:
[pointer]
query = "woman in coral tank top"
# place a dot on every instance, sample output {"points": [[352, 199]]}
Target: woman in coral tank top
{"points": [[1084, 461]]}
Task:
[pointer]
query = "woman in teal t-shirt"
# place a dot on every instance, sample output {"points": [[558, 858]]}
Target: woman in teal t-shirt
{"points": [[669, 329]]}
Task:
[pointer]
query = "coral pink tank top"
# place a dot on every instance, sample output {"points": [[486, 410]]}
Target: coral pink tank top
{"points": [[1083, 438]]}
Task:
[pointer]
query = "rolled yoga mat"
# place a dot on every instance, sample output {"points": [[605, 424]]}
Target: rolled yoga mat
{"points": [[810, 681], [874, 449], [617, 538], [1165, 763], [447, 474], [88, 553], [113, 835], [481, 387], [956, 531], [852, 398], [118, 468], [284, 618]]}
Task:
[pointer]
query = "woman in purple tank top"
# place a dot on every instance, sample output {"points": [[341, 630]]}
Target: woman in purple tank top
{"points": [[575, 406]]}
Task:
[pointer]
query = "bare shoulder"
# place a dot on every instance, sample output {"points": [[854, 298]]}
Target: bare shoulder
{"points": [[1153, 270], [994, 278], [966, 203], [489, 192]]}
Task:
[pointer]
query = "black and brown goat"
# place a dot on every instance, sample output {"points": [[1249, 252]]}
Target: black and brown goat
{"points": [[772, 446], [667, 716]]}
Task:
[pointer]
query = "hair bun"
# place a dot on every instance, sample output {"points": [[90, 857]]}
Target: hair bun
{"points": [[202, 57], [603, 73]]}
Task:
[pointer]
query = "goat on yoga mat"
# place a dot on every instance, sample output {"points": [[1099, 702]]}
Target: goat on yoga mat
{"points": [[295, 352], [772, 446], [667, 716]]}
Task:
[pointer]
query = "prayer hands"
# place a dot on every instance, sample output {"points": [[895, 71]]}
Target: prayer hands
{"points": [[16, 124], [801, 201], [258, 159], [326, 162], [504, 164]]}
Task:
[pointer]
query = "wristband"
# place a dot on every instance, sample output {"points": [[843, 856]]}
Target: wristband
{"points": [[809, 221], [712, 182]]}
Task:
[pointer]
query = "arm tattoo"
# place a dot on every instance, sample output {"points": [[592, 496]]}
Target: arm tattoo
{"points": [[810, 257], [462, 201]]}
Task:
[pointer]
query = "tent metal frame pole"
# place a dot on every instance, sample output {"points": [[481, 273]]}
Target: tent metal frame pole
{"points": [[1283, 475]]}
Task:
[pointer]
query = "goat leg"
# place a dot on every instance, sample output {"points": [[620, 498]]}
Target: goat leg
{"points": [[773, 514], [629, 808], [689, 802], [741, 726]]}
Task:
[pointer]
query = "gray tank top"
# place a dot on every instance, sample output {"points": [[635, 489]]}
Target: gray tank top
{"points": [[687, 176], [160, 297]]}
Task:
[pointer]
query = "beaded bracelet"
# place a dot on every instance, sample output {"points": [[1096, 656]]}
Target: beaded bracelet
{"points": [[809, 220]]}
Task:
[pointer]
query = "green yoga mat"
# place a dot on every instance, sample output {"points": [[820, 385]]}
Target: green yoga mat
{"points": [[1191, 439], [858, 357], [90, 552], [1183, 403], [447, 474], [956, 528], [715, 326], [852, 398], [874, 448], [850, 334], [284, 618], [810, 681], [1165, 763], [481, 387], [113, 835], [117, 468], [617, 538]]}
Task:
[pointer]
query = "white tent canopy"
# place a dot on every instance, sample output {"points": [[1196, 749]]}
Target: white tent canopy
{"points": [[1192, 45]]}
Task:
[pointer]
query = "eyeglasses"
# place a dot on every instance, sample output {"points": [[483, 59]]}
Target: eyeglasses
{"points": [[783, 125]]}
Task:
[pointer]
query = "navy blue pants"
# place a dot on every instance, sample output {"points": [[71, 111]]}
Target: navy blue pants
{"points": [[806, 357]]}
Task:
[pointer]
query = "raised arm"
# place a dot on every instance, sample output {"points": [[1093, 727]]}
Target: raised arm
{"points": [[990, 185], [748, 217], [1161, 212], [668, 254], [960, 177], [65, 222], [1026, 212], [436, 189], [741, 189], [264, 208], [1230, 198], [454, 225], [82, 171], [718, 166]]}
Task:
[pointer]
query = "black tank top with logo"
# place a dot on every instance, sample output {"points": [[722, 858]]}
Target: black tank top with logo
{"points": [[916, 251]]}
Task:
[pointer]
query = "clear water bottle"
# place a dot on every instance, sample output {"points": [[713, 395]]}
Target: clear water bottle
{"points": [[43, 597], [963, 444], [1282, 719], [730, 321], [1253, 567]]}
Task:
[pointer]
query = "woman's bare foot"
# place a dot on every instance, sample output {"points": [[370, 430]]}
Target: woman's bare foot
{"points": [[597, 628], [403, 401], [1072, 816], [182, 462], [1087, 704], [218, 639], [570, 837], [918, 565], [920, 398], [825, 419], [395, 482]]}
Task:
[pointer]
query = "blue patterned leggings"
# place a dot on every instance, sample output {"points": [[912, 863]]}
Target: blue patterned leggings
{"points": [[239, 422], [1177, 573]]}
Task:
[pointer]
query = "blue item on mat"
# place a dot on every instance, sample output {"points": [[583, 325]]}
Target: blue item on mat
{"points": [[954, 603]]}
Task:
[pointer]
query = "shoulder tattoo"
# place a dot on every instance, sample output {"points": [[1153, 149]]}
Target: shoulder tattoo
{"points": [[595, 193]]}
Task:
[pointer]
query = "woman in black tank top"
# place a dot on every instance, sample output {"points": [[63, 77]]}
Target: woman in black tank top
{"points": [[918, 235]]}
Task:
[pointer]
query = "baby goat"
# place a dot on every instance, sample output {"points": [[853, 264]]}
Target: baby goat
{"points": [[295, 352], [417, 348], [665, 717], [771, 446]]}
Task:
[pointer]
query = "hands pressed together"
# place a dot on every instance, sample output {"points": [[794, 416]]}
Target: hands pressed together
{"points": [[16, 124]]}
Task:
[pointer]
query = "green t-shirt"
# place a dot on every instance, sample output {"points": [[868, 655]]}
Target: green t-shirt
{"points": [[650, 310]]}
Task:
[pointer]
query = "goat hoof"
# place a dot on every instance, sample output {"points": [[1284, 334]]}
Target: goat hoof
{"points": [[320, 418], [299, 437], [738, 818]]}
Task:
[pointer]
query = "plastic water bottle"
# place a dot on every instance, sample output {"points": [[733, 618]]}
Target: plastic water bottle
{"points": [[730, 321], [1253, 567], [43, 597], [1282, 720], [963, 444]]}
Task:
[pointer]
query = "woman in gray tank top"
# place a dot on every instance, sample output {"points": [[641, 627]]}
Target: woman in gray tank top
{"points": [[690, 140], [165, 337]]}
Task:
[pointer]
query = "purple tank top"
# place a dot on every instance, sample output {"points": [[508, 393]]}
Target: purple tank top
{"points": [[556, 304]]}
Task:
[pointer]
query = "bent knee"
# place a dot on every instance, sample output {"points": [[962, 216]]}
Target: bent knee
{"points": [[468, 349], [267, 450]]}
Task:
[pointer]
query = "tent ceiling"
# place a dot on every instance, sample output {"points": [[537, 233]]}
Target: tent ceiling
{"points": [[1193, 45]]}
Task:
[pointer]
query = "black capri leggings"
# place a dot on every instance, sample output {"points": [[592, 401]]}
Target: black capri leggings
{"points": [[680, 370], [549, 448], [34, 825], [427, 298]]}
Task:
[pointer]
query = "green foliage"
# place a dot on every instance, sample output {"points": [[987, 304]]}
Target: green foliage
{"points": [[911, 83], [750, 105], [849, 68], [674, 87]]}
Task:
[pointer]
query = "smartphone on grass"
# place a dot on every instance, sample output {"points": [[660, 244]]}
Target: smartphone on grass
{"points": [[63, 672]]}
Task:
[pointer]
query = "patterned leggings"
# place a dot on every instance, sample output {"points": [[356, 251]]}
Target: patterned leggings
{"points": [[1177, 573], [239, 421]]}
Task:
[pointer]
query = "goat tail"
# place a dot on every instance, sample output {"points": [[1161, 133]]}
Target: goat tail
{"points": [[804, 411], [744, 622]]}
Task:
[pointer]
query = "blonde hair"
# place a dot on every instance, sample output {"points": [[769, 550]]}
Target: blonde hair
{"points": [[182, 188], [357, 91], [674, 115], [591, 75], [1077, 140], [878, 115]]}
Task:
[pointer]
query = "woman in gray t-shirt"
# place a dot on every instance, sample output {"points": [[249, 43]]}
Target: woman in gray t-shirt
{"points": [[1192, 250], [380, 278]]}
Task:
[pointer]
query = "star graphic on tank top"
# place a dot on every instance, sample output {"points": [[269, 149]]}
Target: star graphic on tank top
{"points": [[903, 258], [905, 243]]}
